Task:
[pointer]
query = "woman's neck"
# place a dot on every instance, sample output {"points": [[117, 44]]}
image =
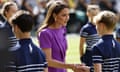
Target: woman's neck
{"points": [[55, 26]]}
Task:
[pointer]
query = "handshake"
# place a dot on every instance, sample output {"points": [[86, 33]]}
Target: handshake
{"points": [[80, 68]]}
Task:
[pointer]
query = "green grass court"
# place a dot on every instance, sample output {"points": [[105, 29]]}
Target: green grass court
{"points": [[73, 49]]}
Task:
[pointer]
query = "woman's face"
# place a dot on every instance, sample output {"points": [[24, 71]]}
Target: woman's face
{"points": [[62, 17]]}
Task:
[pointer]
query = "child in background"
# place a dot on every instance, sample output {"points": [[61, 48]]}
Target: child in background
{"points": [[106, 52], [88, 35]]}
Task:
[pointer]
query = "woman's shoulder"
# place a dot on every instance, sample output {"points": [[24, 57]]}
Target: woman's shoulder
{"points": [[45, 32], [51, 31]]}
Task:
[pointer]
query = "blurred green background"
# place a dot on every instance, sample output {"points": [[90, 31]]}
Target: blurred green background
{"points": [[73, 49]]}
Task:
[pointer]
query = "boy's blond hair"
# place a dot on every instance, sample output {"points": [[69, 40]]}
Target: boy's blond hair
{"points": [[93, 9], [6, 7], [108, 18]]}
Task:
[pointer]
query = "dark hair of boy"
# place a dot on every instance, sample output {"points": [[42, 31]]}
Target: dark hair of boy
{"points": [[24, 22]]}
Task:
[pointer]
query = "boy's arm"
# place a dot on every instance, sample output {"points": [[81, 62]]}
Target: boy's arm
{"points": [[81, 47], [97, 59], [46, 70], [83, 34], [97, 67]]}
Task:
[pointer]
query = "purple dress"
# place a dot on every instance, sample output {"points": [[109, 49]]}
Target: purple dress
{"points": [[56, 40]]}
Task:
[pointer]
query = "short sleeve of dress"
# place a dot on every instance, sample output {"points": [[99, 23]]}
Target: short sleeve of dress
{"points": [[44, 39], [96, 55]]}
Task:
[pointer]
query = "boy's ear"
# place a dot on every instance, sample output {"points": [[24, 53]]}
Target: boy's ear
{"points": [[103, 26], [88, 14], [5, 12], [16, 28]]}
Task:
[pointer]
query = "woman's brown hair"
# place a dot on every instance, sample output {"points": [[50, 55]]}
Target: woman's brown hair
{"points": [[54, 8]]}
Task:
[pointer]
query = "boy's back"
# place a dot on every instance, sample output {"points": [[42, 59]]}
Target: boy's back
{"points": [[106, 53], [28, 57]]}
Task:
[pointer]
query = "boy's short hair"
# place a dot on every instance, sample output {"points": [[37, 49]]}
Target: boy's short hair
{"points": [[108, 18], [93, 9], [23, 20]]}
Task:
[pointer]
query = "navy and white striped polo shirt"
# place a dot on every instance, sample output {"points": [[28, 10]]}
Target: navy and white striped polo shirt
{"points": [[89, 32], [5, 26], [107, 52], [27, 58]]}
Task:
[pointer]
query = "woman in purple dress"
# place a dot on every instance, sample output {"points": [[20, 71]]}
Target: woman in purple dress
{"points": [[52, 38]]}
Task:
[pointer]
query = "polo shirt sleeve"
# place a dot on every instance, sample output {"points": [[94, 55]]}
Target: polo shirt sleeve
{"points": [[44, 40], [83, 32], [11, 67], [96, 55], [44, 59]]}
